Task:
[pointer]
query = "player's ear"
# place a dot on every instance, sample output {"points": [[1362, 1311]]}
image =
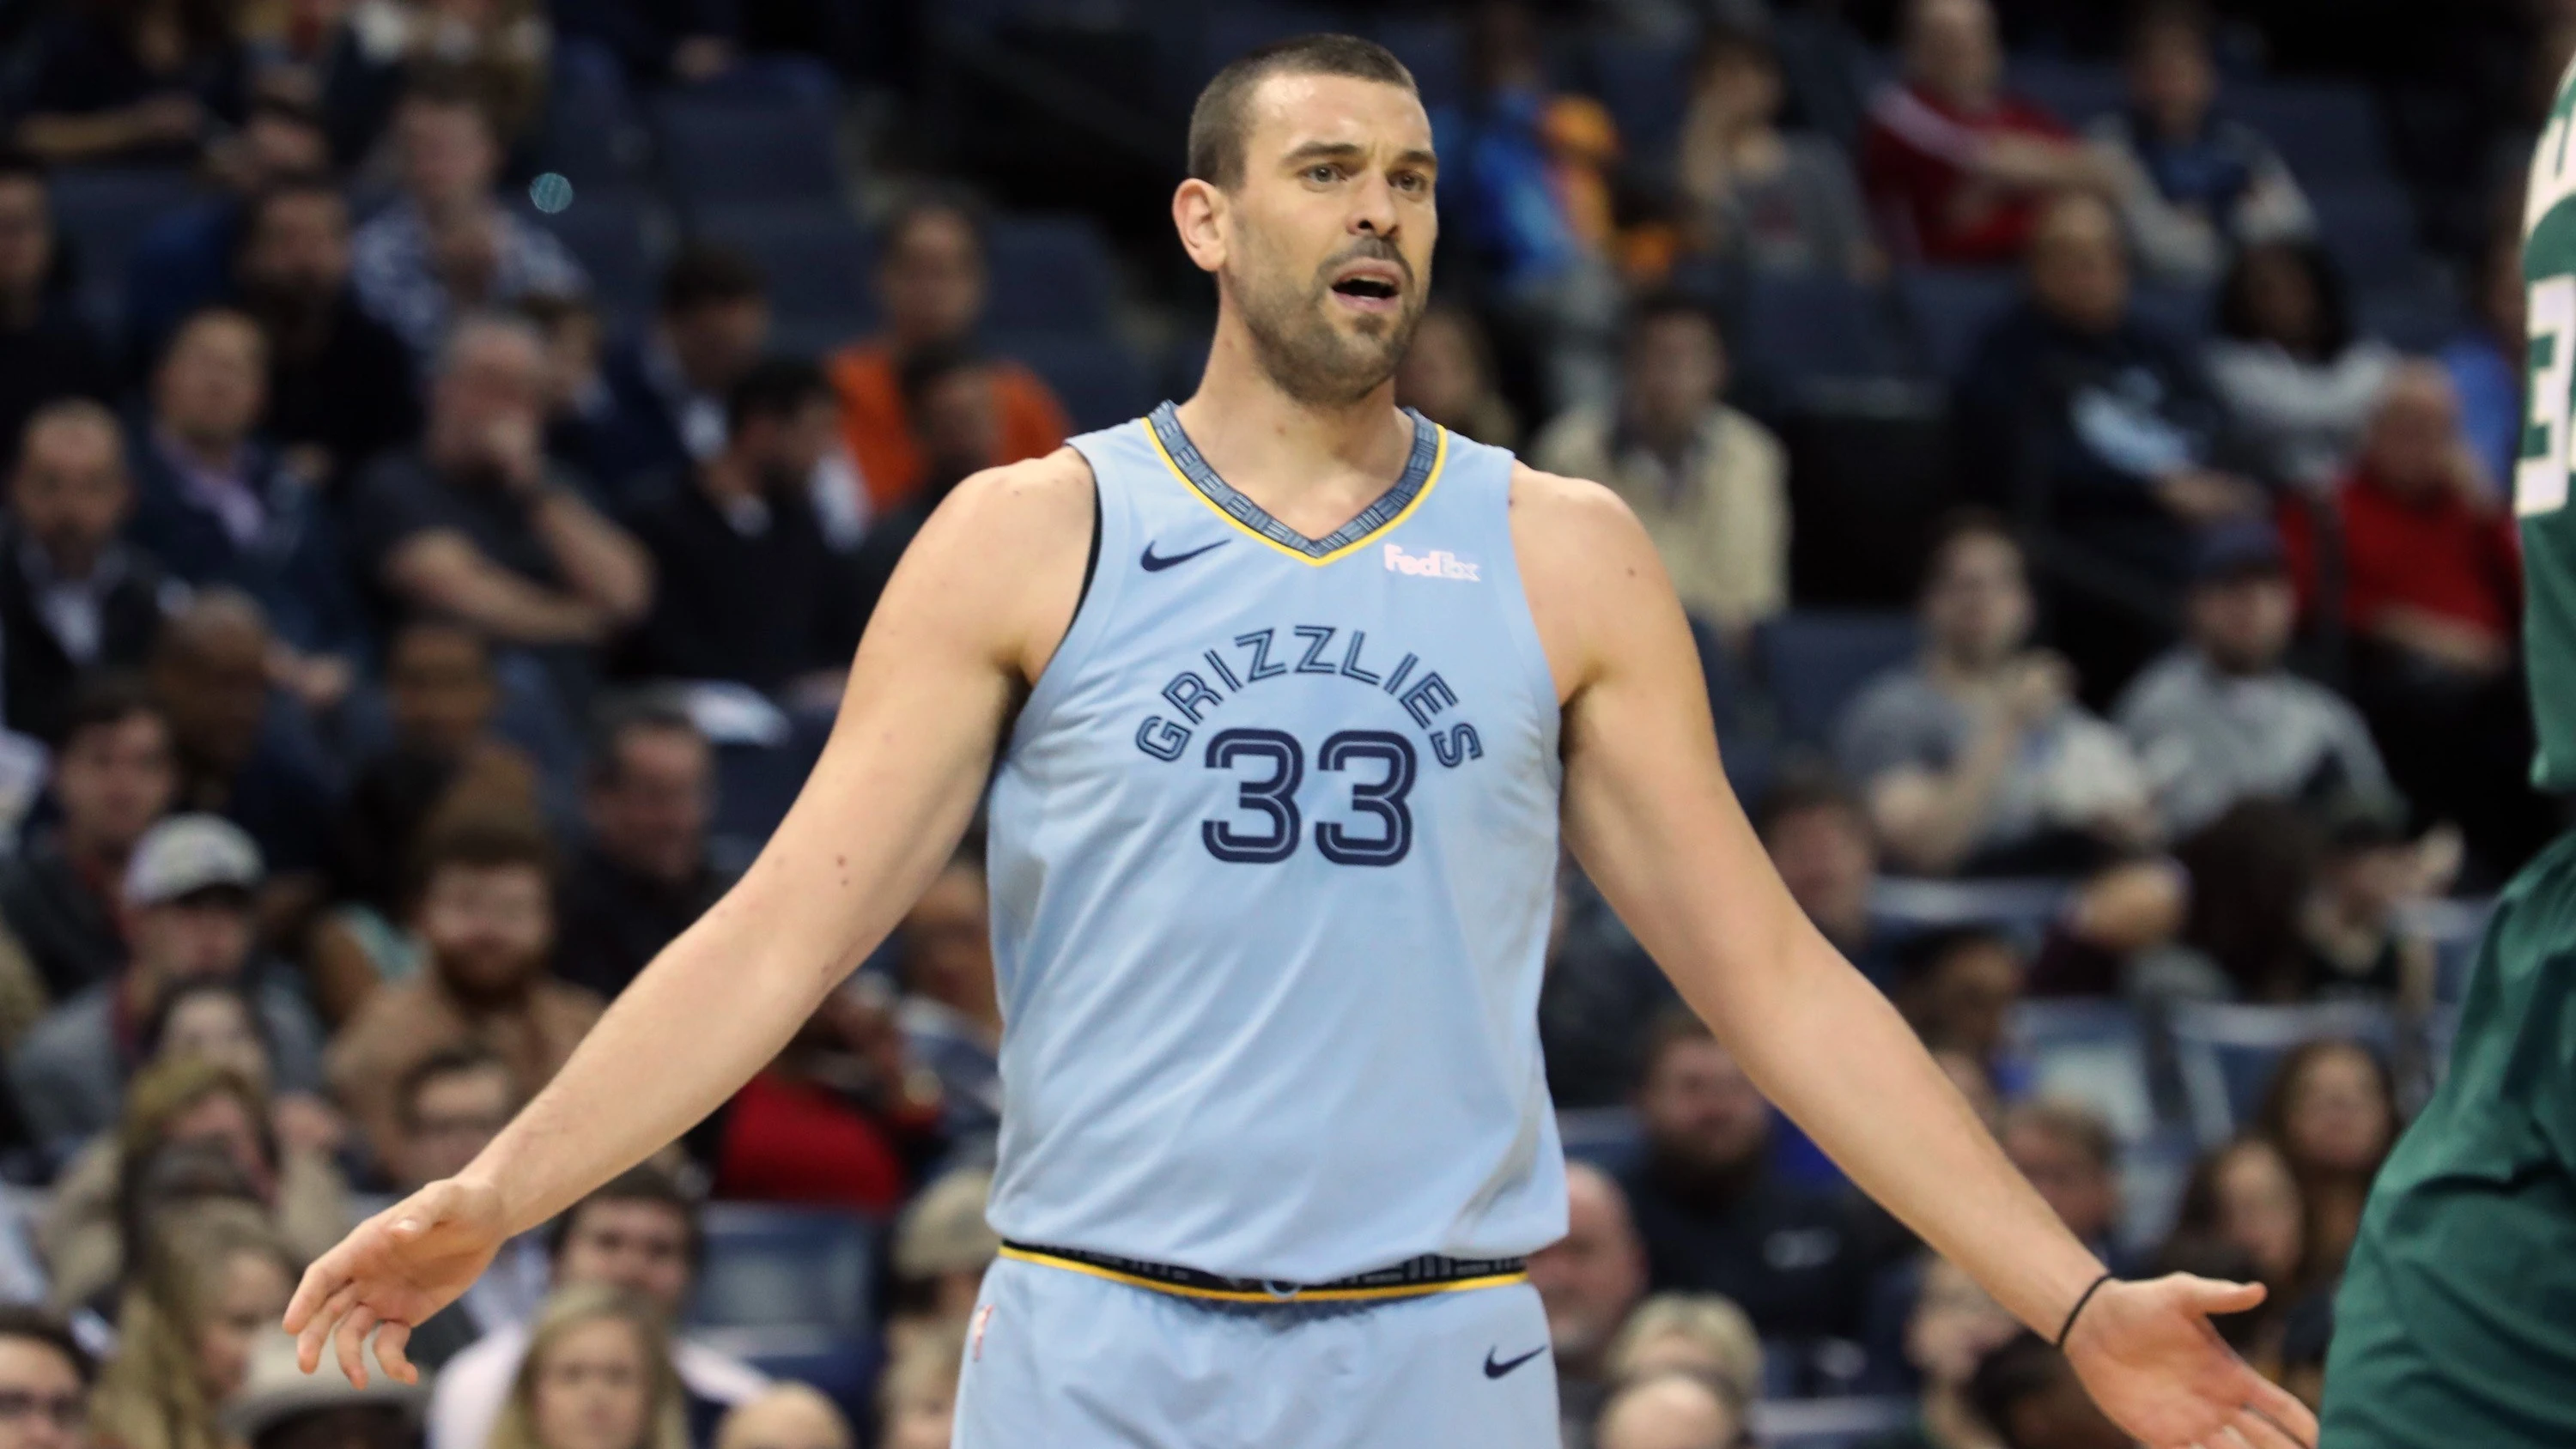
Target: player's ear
{"points": [[1199, 215]]}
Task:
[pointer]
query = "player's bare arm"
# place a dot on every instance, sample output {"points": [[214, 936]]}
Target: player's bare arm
{"points": [[1649, 813], [967, 622]]}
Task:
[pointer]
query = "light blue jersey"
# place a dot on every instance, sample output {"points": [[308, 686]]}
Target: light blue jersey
{"points": [[1273, 849]]}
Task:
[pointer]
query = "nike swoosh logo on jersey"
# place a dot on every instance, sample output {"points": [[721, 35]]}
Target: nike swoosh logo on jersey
{"points": [[1155, 564], [1495, 1370]]}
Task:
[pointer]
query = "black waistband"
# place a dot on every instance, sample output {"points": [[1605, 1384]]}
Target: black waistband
{"points": [[1430, 1273]]}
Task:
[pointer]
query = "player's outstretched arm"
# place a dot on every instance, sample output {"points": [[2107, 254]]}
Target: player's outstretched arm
{"points": [[977, 606], [1649, 813]]}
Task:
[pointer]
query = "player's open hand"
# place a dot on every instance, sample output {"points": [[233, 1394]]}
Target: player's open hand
{"points": [[390, 1274], [2149, 1356]]}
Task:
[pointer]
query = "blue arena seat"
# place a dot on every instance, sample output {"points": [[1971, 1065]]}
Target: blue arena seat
{"points": [[1815, 661], [756, 783], [2329, 131], [844, 1367], [2075, 91], [1829, 1423], [1645, 83], [1096, 376], [1796, 332], [2090, 1051], [2369, 226], [817, 259], [1906, 906], [610, 229], [2189, 313], [1049, 274], [771, 1267], [2226, 1053], [718, 151], [102, 214], [1606, 1137], [2455, 927], [1951, 308], [2420, 318]]}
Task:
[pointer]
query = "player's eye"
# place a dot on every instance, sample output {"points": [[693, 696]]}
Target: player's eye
{"points": [[1323, 173], [1411, 181]]}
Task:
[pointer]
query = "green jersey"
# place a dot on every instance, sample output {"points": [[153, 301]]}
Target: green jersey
{"points": [[2540, 482]]}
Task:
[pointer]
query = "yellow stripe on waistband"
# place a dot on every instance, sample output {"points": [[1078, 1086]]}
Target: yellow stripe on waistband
{"points": [[1255, 1295]]}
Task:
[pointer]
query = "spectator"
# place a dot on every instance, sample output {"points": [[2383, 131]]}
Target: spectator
{"points": [[1448, 376], [495, 53], [186, 1330], [1763, 201], [114, 775], [952, 1010], [954, 398], [1671, 1411], [2429, 578], [476, 526], [1598, 995], [840, 1117], [447, 246], [2067, 1152], [2201, 183], [637, 1236], [1588, 1280], [194, 1128], [2222, 719], [183, 263], [281, 1407], [1957, 168], [1693, 1333], [931, 287], [1958, 989], [450, 1107], [1709, 484], [133, 81], [73, 597], [786, 1416], [1818, 836], [2029, 1393], [1977, 760], [1714, 1217], [241, 753], [917, 1398], [340, 383], [47, 349], [216, 506], [485, 914], [2332, 1112], [2242, 1195], [2486, 359], [2358, 944], [643, 876], [444, 757], [666, 396], [1954, 1324], [2099, 428], [187, 917], [45, 1378], [747, 586], [942, 1245], [1530, 173], [2298, 385], [596, 1374]]}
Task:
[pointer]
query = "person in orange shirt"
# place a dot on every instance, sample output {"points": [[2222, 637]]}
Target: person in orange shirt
{"points": [[930, 282]]}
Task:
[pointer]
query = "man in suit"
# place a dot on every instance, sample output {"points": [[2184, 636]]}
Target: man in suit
{"points": [[73, 596]]}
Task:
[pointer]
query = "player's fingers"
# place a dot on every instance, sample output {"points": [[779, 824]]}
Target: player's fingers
{"points": [[2280, 1408], [2262, 1433], [351, 1343], [320, 1281], [2212, 1296], [392, 1340], [314, 1339]]}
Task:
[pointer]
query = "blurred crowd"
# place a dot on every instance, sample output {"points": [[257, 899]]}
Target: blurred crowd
{"points": [[382, 605]]}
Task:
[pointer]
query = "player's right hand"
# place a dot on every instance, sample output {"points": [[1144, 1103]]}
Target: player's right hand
{"points": [[390, 1274]]}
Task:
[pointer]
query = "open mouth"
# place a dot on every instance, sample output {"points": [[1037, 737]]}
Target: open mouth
{"points": [[1371, 288]]}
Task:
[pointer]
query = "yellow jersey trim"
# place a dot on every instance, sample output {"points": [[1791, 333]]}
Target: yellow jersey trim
{"points": [[1430, 480], [1230, 1295]]}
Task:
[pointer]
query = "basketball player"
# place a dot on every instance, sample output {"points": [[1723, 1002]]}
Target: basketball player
{"points": [[1291, 692], [2456, 1321]]}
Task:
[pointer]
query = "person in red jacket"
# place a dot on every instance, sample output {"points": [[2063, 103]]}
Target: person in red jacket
{"points": [[1955, 168], [842, 1117]]}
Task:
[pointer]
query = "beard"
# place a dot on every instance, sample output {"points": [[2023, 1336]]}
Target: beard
{"points": [[1296, 344]]}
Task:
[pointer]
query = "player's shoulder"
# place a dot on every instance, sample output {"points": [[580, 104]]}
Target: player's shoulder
{"points": [[1034, 492], [1572, 524]]}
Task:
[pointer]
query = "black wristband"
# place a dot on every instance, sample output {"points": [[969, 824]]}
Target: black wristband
{"points": [[2077, 1311]]}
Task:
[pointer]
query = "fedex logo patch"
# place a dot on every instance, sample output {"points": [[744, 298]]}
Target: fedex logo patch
{"points": [[1439, 563]]}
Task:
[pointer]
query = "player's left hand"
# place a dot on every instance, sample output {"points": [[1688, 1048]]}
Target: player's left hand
{"points": [[2150, 1358]]}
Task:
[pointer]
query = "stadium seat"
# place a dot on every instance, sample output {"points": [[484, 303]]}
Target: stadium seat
{"points": [[1815, 661], [1606, 1137], [2329, 132], [2189, 313], [102, 214], [771, 1267], [719, 152], [2455, 927], [2090, 1051], [1096, 377], [844, 1367], [1645, 83], [1796, 332], [2369, 227], [2153, 1173], [1951, 308], [2226, 1053], [1906, 906], [756, 784], [816, 258], [1049, 274], [1829, 1423], [1869, 479], [610, 229], [590, 131], [2075, 91]]}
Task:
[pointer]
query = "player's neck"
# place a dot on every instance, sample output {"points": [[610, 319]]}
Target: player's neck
{"points": [[1285, 453]]}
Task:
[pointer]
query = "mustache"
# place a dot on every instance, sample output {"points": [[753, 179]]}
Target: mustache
{"points": [[1369, 249]]}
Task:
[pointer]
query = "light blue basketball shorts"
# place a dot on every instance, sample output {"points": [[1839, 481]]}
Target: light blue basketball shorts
{"points": [[1060, 1359]]}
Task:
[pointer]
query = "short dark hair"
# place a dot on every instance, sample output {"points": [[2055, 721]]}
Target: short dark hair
{"points": [[645, 1183], [921, 204], [2070, 1122], [2160, 17], [1924, 953], [280, 107], [1723, 41], [929, 366], [650, 710], [178, 993], [281, 188], [2325, 280], [455, 1061], [484, 840], [1956, 527], [550, 310], [17, 164], [104, 701], [708, 274], [36, 1325], [1675, 1028], [1801, 788], [2025, 1367], [773, 388], [1669, 304], [1218, 123], [449, 86]]}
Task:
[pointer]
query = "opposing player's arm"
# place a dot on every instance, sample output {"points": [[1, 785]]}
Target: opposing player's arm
{"points": [[972, 614], [1650, 815]]}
